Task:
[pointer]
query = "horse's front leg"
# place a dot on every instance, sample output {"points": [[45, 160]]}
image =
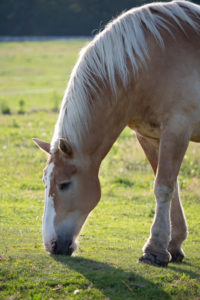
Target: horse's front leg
{"points": [[178, 221], [173, 144]]}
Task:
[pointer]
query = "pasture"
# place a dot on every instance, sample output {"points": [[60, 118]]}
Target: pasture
{"points": [[33, 77]]}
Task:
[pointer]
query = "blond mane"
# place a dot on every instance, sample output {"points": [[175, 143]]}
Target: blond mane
{"points": [[106, 55]]}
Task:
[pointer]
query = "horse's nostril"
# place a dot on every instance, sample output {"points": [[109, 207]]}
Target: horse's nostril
{"points": [[54, 246], [69, 248], [69, 244]]}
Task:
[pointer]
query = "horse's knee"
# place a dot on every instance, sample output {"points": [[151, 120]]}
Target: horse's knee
{"points": [[163, 193]]}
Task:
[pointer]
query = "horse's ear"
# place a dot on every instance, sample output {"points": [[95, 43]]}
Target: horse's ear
{"points": [[44, 146], [65, 147]]}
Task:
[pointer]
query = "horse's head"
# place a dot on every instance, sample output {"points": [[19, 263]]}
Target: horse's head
{"points": [[72, 190]]}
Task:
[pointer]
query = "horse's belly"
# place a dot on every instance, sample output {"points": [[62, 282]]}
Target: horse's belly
{"points": [[152, 130]]}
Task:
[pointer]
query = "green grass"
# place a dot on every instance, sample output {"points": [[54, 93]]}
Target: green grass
{"points": [[105, 264]]}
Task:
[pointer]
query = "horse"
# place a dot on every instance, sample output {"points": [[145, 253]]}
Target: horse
{"points": [[141, 71]]}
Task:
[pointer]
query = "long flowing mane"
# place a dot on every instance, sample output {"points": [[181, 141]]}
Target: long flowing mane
{"points": [[123, 39]]}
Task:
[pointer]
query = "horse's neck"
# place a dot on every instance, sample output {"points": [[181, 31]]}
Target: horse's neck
{"points": [[106, 124]]}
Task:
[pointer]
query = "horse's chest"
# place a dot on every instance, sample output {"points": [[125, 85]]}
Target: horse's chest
{"points": [[146, 129]]}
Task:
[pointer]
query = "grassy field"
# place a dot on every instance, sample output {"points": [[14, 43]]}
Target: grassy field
{"points": [[105, 264]]}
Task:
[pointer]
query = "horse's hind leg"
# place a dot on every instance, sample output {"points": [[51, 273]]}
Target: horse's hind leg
{"points": [[178, 227], [178, 223]]}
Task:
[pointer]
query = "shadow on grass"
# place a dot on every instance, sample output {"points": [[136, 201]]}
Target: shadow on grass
{"points": [[112, 281], [184, 267]]}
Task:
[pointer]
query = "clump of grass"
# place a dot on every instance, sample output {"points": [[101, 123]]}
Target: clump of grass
{"points": [[21, 109], [55, 107], [55, 103], [124, 182], [5, 109], [15, 124], [151, 213]]}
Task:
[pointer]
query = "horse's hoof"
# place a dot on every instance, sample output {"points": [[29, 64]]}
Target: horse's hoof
{"points": [[152, 259], [177, 256]]}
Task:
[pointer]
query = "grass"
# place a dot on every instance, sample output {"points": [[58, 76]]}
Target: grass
{"points": [[105, 264]]}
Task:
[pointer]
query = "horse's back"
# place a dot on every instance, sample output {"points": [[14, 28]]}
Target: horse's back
{"points": [[170, 85]]}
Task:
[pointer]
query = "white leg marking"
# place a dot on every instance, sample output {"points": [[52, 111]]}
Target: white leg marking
{"points": [[160, 230], [48, 229]]}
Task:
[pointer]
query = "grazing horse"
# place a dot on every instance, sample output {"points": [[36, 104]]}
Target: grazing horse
{"points": [[141, 71]]}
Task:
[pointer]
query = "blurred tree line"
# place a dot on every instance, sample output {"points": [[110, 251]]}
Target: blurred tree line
{"points": [[60, 17]]}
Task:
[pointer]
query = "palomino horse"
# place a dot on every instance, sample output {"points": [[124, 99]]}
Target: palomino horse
{"points": [[142, 70]]}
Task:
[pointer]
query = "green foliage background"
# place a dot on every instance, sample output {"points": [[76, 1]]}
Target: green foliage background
{"points": [[60, 17]]}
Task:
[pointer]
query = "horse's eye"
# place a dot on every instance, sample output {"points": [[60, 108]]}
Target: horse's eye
{"points": [[64, 186]]}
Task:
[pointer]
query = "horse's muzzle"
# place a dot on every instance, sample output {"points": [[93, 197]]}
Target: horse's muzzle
{"points": [[62, 247]]}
